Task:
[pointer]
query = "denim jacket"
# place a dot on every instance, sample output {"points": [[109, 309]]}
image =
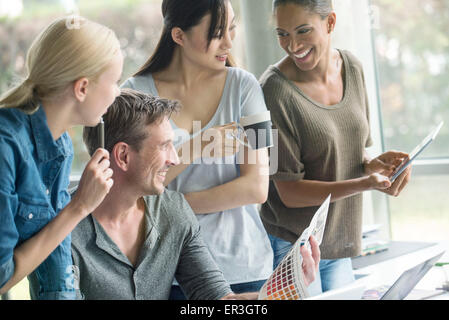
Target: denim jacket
{"points": [[34, 178]]}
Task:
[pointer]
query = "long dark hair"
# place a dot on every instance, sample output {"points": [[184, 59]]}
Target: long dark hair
{"points": [[185, 14]]}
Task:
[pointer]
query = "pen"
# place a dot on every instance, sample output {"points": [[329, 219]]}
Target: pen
{"points": [[101, 133]]}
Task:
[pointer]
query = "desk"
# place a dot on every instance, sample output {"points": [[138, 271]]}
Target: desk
{"points": [[387, 272]]}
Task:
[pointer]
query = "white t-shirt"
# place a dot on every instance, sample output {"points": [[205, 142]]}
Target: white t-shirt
{"points": [[236, 238]]}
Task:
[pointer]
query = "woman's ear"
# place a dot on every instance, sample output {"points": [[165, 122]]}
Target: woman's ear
{"points": [[80, 88], [177, 35], [121, 155]]}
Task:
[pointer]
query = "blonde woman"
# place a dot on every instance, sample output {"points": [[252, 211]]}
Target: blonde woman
{"points": [[73, 70]]}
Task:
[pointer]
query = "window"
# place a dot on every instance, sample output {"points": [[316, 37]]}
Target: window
{"points": [[412, 53], [421, 212]]}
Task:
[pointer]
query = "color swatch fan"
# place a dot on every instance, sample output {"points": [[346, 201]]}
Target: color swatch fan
{"points": [[287, 282]]}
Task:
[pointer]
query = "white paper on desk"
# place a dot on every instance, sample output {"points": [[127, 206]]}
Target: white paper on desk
{"points": [[287, 282]]}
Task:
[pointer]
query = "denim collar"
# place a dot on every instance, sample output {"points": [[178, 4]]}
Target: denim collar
{"points": [[47, 148]]}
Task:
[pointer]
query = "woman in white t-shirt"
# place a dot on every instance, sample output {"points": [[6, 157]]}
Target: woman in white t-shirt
{"points": [[192, 64]]}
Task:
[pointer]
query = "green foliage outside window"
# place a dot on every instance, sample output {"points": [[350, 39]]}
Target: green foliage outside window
{"points": [[412, 50]]}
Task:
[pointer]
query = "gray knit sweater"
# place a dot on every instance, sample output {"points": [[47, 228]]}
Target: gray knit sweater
{"points": [[318, 142]]}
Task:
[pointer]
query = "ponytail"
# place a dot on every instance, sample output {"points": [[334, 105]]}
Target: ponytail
{"points": [[59, 56], [162, 55], [22, 97]]}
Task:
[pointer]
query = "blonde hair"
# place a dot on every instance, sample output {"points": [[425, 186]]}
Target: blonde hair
{"points": [[70, 48]]}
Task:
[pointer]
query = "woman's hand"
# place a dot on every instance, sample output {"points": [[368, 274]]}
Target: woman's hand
{"points": [[386, 163], [399, 184], [95, 183], [377, 181], [382, 183], [311, 261], [217, 142]]}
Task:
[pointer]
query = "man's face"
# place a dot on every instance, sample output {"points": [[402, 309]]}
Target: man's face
{"points": [[155, 156]]}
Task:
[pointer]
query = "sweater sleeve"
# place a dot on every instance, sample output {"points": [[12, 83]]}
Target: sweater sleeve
{"points": [[287, 143]]}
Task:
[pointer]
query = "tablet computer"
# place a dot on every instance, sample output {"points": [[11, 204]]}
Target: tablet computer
{"points": [[419, 148]]}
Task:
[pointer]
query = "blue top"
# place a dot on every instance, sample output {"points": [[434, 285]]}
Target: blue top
{"points": [[236, 237], [34, 178]]}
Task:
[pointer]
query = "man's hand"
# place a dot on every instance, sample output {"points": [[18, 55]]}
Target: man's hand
{"points": [[242, 296], [310, 266], [311, 261]]}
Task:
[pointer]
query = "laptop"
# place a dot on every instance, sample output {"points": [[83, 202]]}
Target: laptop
{"points": [[404, 284]]}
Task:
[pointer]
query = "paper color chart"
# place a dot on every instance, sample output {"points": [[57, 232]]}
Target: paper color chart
{"points": [[284, 283]]}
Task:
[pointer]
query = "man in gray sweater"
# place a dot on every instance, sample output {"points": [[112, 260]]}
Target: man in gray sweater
{"points": [[142, 236]]}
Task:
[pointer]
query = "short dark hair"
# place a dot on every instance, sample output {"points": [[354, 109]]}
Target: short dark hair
{"points": [[127, 117], [321, 7]]}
